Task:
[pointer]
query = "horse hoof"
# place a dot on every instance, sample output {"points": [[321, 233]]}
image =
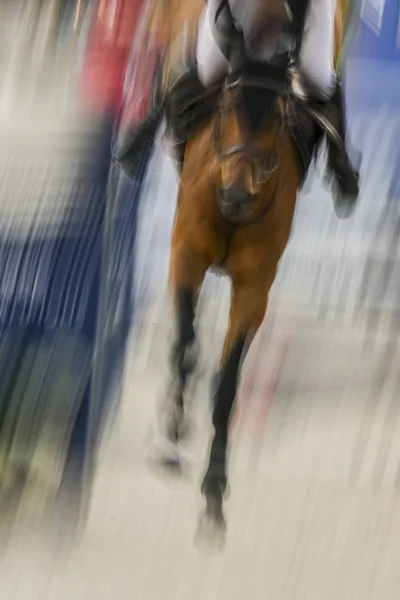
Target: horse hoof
{"points": [[164, 458], [211, 530], [169, 461], [164, 468]]}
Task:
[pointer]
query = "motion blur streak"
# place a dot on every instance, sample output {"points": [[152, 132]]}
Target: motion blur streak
{"points": [[84, 308]]}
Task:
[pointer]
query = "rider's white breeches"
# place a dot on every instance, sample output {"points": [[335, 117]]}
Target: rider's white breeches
{"points": [[316, 58]]}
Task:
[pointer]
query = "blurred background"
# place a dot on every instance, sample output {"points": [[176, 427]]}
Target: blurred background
{"points": [[315, 466]]}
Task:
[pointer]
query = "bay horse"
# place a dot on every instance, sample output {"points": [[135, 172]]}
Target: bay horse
{"points": [[242, 167]]}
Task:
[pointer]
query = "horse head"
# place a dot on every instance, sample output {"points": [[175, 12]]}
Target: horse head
{"points": [[248, 130]]}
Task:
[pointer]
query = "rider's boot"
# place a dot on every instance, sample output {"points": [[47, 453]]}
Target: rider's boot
{"points": [[185, 85], [129, 149], [343, 176]]}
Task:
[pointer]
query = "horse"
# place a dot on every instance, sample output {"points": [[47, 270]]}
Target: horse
{"points": [[247, 153]]}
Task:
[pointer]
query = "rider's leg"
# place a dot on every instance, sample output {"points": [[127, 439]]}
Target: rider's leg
{"points": [[317, 65], [317, 48], [250, 17], [212, 65]]}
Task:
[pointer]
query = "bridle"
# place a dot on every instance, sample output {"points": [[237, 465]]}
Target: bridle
{"points": [[263, 164]]}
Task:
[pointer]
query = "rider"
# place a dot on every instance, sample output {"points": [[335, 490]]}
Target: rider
{"points": [[314, 20], [312, 29]]}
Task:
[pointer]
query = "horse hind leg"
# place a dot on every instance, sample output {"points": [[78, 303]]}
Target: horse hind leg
{"points": [[248, 308]]}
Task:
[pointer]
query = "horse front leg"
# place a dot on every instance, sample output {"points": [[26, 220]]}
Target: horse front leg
{"points": [[187, 271], [248, 308], [183, 360]]}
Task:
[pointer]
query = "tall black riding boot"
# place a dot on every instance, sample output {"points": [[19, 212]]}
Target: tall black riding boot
{"points": [[343, 176], [180, 99], [129, 148]]}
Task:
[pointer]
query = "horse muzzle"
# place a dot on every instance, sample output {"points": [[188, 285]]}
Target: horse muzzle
{"points": [[236, 202]]}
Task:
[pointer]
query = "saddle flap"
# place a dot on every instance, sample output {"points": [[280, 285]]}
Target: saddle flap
{"points": [[305, 131]]}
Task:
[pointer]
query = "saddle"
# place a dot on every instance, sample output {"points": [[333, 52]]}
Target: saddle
{"points": [[188, 106]]}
